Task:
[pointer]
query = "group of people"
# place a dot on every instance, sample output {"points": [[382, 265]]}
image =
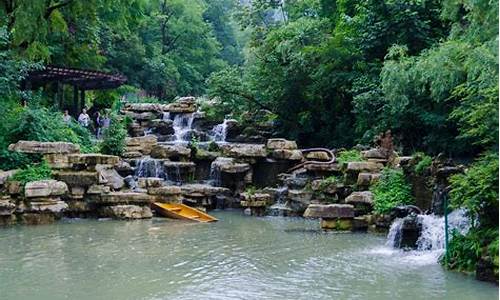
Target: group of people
{"points": [[101, 122]]}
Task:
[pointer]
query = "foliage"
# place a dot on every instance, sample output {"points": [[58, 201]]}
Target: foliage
{"points": [[113, 142], [390, 191], [33, 172], [477, 190], [346, 156], [423, 162]]}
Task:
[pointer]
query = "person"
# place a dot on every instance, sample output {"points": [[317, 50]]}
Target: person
{"points": [[66, 117], [98, 123], [84, 118]]}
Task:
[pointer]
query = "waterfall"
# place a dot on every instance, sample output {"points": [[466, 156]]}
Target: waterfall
{"points": [[219, 132], [215, 172], [280, 208], [432, 236], [148, 167], [182, 124], [166, 116]]}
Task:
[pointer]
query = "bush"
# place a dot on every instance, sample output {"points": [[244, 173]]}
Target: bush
{"points": [[423, 162], [113, 142], [391, 190], [33, 172], [346, 156]]}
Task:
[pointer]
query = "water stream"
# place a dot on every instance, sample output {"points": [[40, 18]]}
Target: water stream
{"points": [[236, 258]]}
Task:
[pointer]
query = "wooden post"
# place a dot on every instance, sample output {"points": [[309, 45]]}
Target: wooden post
{"points": [[55, 89], [76, 105], [82, 99]]}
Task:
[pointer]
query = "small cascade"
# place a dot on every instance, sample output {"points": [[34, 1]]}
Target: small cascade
{"points": [[219, 132], [280, 208], [432, 233], [149, 167], [166, 116], [173, 174], [215, 178], [182, 124]]}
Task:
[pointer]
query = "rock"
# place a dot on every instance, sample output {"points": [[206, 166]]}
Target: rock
{"points": [[329, 211], [37, 218], [244, 150], [7, 207], [317, 155], [141, 140], [365, 197], [126, 212], [183, 105], [360, 223], [300, 195], [98, 189], [142, 107], [364, 166], [205, 189], [79, 178], [45, 188], [123, 198], [287, 154], [327, 168], [141, 116], [4, 175], [364, 179], [375, 153], [132, 154], [57, 161], [13, 187], [229, 165], [167, 190], [403, 161], [170, 151], [93, 159], [162, 127], [281, 144], [47, 206], [147, 182], [337, 224], [112, 178], [44, 147], [124, 169], [255, 199]]}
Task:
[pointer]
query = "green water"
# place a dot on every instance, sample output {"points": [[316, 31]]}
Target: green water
{"points": [[237, 258]]}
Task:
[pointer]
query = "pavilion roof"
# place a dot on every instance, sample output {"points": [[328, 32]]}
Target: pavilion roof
{"points": [[82, 78]]}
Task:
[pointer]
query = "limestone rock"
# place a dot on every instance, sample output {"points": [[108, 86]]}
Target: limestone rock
{"points": [[317, 155], [255, 199], [13, 187], [4, 175], [300, 195], [328, 167], [132, 154], [150, 182], [170, 151], [44, 147], [375, 153], [126, 212], [204, 189], [45, 188], [7, 207], [98, 189], [48, 206], [141, 140], [93, 159], [286, 154], [112, 178], [229, 165], [183, 105], [57, 161], [79, 178], [141, 107], [337, 224], [274, 144], [329, 211], [365, 197], [244, 150], [168, 190], [123, 198], [364, 166]]}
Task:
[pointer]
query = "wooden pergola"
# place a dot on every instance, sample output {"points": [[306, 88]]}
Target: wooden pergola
{"points": [[80, 79]]}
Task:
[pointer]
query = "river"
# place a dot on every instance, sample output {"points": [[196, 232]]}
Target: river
{"points": [[238, 257]]}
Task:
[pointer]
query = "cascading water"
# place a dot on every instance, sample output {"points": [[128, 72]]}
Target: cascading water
{"points": [[149, 167], [432, 236], [279, 208], [219, 132], [215, 171], [182, 124]]}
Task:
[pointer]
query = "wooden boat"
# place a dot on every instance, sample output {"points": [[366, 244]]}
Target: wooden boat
{"points": [[183, 212]]}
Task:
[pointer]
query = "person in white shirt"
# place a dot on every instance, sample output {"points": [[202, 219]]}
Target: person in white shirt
{"points": [[66, 117], [84, 118]]}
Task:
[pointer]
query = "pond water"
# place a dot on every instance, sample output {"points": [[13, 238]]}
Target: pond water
{"points": [[237, 258]]}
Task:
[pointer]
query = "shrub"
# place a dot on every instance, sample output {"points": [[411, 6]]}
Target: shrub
{"points": [[113, 142], [346, 156], [391, 190], [423, 162], [33, 172]]}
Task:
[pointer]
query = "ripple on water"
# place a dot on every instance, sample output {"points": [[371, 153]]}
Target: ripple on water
{"points": [[236, 258]]}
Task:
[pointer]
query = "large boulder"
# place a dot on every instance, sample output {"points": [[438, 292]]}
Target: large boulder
{"points": [[317, 155], [244, 150], [112, 178], [5, 175], [93, 159], [274, 144], [329, 211], [286, 154], [126, 212], [79, 178], [170, 151], [7, 206], [45, 188], [36, 147], [114, 198], [375, 153], [365, 197], [256, 199], [183, 105], [364, 166], [229, 165]]}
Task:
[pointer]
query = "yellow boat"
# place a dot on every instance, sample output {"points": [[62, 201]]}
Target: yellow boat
{"points": [[183, 212]]}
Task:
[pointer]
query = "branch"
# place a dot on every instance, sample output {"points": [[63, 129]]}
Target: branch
{"points": [[51, 9]]}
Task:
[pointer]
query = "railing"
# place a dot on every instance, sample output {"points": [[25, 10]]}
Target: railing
{"points": [[315, 162]]}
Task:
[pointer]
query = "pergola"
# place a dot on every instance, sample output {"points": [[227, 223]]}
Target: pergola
{"points": [[80, 79]]}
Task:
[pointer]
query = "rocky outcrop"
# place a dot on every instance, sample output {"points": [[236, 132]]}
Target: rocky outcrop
{"points": [[244, 150], [329, 211], [174, 152], [126, 212], [45, 188], [275, 144], [182, 105], [35, 147]]}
